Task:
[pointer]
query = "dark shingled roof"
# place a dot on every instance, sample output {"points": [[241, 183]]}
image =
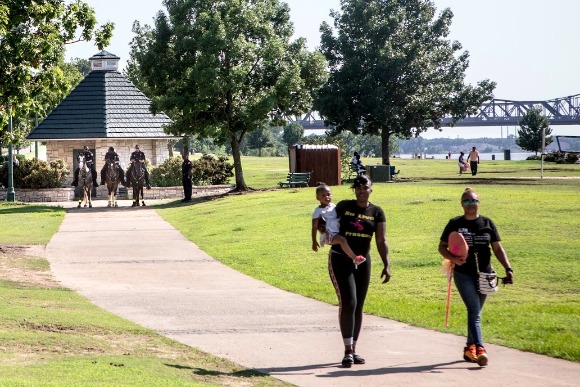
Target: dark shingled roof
{"points": [[104, 105]]}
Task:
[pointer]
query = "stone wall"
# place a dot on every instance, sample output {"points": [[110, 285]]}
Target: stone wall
{"points": [[68, 194]]}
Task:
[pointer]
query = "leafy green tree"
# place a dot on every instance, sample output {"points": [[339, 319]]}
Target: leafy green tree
{"points": [[66, 76], [393, 71], [293, 133], [532, 124], [33, 34], [261, 138], [228, 68], [82, 65]]}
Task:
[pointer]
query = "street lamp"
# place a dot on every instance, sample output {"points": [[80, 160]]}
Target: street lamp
{"points": [[10, 195]]}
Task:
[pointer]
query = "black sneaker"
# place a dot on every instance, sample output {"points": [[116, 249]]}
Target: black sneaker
{"points": [[358, 359], [347, 360]]}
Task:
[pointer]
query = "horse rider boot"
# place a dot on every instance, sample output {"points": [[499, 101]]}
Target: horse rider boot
{"points": [[138, 155], [111, 155], [90, 160]]}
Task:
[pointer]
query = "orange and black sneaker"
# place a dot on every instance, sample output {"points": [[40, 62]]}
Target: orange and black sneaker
{"points": [[470, 354], [481, 357]]}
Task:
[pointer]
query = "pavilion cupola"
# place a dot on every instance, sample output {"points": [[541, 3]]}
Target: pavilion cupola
{"points": [[104, 61]]}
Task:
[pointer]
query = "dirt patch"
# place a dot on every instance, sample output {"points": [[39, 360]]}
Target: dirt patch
{"points": [[19, 263]]}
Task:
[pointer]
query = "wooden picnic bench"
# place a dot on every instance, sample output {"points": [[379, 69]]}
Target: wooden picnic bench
{"points": [[295, 179]]}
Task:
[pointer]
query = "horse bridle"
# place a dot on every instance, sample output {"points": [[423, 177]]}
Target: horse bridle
{"points": [[112, 169], [138, 175]]}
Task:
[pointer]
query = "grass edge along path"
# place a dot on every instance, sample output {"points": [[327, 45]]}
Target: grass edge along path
{"points": [[267, 235], [50, 335]]}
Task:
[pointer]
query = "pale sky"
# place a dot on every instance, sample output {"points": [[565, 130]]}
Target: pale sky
{"points": [[529, 48]]}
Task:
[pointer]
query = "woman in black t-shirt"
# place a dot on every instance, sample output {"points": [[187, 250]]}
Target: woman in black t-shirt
{"points": [[480, 234], [359, 220]]}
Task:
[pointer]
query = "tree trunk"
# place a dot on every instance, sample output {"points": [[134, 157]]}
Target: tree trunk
{"points": [[240, 183], [170, 147], [385, 135], [185, 144]]}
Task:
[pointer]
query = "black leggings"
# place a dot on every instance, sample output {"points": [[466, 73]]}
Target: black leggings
{"points": [[351, 285]]}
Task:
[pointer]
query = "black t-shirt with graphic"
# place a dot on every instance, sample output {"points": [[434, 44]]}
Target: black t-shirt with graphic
{"points": [[358, 225], [479, 234]]}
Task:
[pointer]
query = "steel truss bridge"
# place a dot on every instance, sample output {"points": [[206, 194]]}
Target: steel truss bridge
{"points": [[497, 112]]}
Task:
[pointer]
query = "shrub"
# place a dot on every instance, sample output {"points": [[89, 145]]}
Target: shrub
{"points": [[36, 174], [571, 158], [206, 171], [553, 157], [211, 171], [168, 173], [561, 158]]}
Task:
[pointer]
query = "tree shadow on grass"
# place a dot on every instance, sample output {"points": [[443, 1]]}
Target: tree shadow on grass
{"points": [[246, 373], [26, 208]]}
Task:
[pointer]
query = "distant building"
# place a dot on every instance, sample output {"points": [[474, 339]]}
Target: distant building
{"points": [[104, 110]]}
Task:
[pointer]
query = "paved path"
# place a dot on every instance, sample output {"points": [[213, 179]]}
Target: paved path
{"points": [[138, 266]]}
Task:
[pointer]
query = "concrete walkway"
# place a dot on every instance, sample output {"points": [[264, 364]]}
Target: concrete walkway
{"points": [[137, 266]]}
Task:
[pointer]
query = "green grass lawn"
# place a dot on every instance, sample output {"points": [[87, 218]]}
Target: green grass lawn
{"points": [[266, 235], [51, 336], [266, 172], [30, 224], [48, 332]]}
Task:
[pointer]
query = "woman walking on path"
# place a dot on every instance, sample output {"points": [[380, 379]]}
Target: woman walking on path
{"points": [[359, 220], [480, 234]]}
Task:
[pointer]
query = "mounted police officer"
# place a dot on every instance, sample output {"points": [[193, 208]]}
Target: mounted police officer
{"points": [[90, 161], [111, 155], [138, 155]]}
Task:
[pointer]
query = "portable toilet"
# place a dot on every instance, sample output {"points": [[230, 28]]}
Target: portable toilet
{"points": [[322, 161]]}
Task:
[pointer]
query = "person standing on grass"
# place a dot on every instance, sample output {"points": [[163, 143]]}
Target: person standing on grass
{"points": [[359, 220], [326, 213], [473, 160], [461, 162], [186, 170], [480, 234]]}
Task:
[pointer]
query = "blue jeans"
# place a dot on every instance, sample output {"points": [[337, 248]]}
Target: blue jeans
{"points": [[473, 300]]}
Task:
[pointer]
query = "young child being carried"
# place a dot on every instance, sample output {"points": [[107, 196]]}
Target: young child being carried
{"points": [[326, 211]]}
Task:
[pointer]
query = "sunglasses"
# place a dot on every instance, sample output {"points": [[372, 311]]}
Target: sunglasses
{"points": [[470, 202]]}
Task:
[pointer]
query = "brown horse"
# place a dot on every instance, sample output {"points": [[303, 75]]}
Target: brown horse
{"points": [[85, 182], [137, 180], [112, 181]]}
